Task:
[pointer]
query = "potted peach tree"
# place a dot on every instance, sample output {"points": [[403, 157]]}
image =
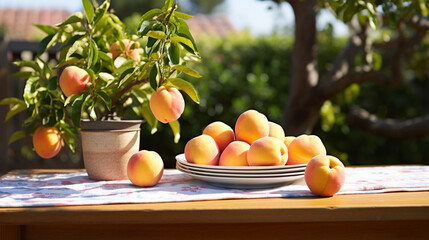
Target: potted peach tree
{"points": [[107, 75]]}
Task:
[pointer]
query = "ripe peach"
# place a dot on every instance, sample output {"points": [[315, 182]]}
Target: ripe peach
{"points": [[167, 104], [47, 142], [288, 140], [73, 80], [235, 154], [250, 126], [221, 133], [324, 175], [135, 54], [202, 150], [267, 151], [303, 148], [276, 131], [145, 168], [115, 49]]}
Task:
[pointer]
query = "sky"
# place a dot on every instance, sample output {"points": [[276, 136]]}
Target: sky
{"points": [[252, 15]]}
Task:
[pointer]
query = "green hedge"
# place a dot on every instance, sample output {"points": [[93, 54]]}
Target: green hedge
{"points": [[242, 72]]}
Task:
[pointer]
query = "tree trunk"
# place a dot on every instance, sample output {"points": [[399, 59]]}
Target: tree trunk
{"points": [[302, 107]]}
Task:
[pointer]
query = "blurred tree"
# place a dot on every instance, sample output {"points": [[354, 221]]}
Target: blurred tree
{"points": [[358, 63]]}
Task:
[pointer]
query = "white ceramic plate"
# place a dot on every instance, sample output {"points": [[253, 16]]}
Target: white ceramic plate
{"points": [[243, 182], [239, 175], [256, 169], [231, 173]]}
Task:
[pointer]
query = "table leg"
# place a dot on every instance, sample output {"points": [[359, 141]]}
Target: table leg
{"points": [[10, 232]]}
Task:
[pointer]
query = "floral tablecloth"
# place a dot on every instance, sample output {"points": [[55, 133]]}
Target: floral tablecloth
{"points": [[75, 188]]}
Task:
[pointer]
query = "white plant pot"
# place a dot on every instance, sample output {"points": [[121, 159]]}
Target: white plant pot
{"points": [[107, 146]]}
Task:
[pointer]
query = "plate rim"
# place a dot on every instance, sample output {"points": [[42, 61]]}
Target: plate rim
{"points": [[242, 173]]}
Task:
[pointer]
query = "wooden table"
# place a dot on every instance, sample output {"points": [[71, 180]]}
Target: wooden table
{"points": [[402, 215]]}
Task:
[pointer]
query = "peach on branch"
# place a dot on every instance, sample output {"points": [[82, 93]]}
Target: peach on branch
{"points": [[267, 151], [202, 150], [235, 154], [167, 104], [145, 168], [115, 49], [250, 126], [276, 131], [324, 175], [74, 80], [47, 142], [303, 148], [221, 133]]}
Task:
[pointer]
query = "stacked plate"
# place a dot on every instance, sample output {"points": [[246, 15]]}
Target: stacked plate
{"points": [[242, 177]]}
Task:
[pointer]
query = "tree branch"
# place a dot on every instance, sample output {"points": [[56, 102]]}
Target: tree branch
{"points": [[358, 76], [387, 127], [341, 75], [125, 89], [343, 65]]}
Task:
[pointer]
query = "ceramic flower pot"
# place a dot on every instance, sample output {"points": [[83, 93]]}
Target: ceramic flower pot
{"points": [[107, 146]]}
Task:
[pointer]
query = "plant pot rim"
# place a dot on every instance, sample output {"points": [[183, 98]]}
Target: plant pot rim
{"points": [[110, 125]]}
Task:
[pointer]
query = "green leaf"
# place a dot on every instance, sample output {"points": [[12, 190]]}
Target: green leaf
{"points": [[125, 66], [149, 117], [106, 76], [156, 34], [22, 74], [175, 127], [68, 134], [147, 25], [173, 51], [70, 61], [46, 28], [167, 5], [78, 107], [76, 45], [105, 98], [74, 18], [182, 15], [92, 113], [100, 11], [91, 74], [16, 136], [152, 77], [70, 99], [89, 10], [43, 45], [150, 14], [30, 64], [93, 54], [183, 30], [186, 70], [187, 87], [179, 39], [53, 83], [119, 61], [15, 109], [12, 100], [71, 41], [125, 76]]}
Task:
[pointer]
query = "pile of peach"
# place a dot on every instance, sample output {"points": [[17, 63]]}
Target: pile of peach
{"points": [[257, 141]]}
